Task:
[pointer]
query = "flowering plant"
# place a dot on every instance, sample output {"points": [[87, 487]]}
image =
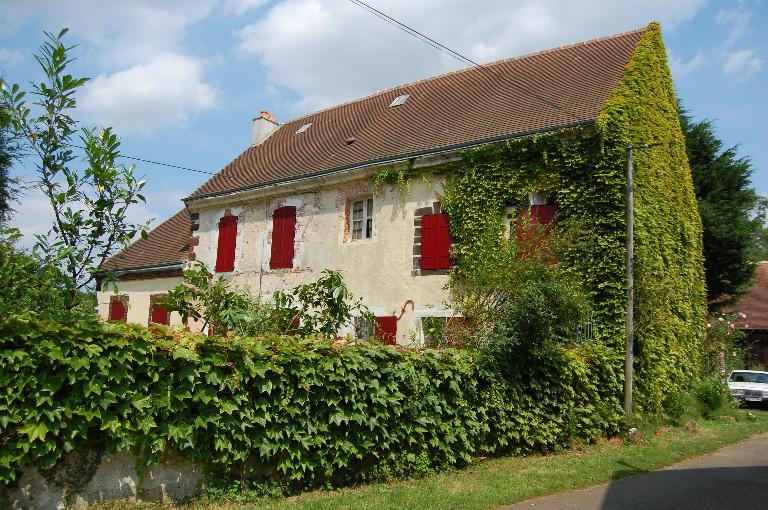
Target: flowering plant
{"points": [[724, 348]]}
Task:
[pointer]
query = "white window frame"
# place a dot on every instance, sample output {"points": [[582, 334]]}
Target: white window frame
{"points": [[420, 315], [367, 232]]}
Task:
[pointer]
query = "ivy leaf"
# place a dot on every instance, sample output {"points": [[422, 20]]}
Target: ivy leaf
{"points": [[34, 431]]}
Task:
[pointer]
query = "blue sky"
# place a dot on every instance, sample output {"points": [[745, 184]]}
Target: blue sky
{"points": [[180, 80]]}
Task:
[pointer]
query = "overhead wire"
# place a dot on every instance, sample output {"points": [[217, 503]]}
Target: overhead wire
{"points": [[458, 56], [417, 35], [178, 167]]}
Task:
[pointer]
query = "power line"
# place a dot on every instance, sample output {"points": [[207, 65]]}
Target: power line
{"points": [[458, 56], [178, 167], [126, 156]]}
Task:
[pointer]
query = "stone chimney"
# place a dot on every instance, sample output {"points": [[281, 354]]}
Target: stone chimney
{"points": [[263, 126]]}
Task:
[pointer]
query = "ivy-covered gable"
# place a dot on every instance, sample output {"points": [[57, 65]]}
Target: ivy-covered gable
{"points": [[670, 286], [584, 170]]}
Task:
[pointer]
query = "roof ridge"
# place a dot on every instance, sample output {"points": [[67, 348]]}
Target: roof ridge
{"points": [[584, 42]]}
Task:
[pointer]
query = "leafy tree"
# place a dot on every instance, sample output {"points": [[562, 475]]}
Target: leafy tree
{"points": [[89, 204], [727, 202], [8, 152], [31, 283], [209, 299], [323, 306]]}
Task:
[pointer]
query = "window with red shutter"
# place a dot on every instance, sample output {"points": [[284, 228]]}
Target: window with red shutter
{"points": [[117, 309], [225, 254], [435, 242], [543, 214], [529, 225], [283, 234], [386, 329], [160, 315]]}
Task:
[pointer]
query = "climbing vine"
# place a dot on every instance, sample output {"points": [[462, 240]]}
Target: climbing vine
{"points": [[583, 170]]}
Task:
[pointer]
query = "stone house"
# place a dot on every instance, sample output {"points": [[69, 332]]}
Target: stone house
{"points": [[302, 198]]}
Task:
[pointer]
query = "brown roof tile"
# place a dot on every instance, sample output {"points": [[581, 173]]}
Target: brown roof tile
{"points": [[166, 244], [448, 111]]}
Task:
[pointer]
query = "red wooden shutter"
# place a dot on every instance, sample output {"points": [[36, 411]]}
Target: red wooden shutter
{"points": [[117, 310], [160, 315], [386, 329], [543, 214], [283, 234], [225, 255], [435, 242]]}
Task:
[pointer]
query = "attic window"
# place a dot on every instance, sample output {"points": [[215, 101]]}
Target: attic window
{"points": [[303, 128], [400, 100]]}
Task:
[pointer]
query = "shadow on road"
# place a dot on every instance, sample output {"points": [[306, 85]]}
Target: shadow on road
{"points": [[683, 489]]}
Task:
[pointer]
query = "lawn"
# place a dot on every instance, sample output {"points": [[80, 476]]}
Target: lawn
{"points": [[493, 482]]}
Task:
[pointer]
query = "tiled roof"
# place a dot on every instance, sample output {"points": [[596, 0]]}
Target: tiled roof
{"points": [[454, 110], [754, 304], [166, 244]]}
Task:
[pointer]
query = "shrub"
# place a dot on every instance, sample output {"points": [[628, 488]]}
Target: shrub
{"points": [[679, 406], [287, 411], [712, 396]]}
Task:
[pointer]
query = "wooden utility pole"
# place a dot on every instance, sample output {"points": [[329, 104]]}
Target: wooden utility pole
{"points": [[629, 355], [630, 344]]}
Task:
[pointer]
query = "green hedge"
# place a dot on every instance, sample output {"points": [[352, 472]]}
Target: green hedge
{"points": [[301, 412]]}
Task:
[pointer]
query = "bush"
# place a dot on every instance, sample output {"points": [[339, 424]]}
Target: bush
{"points": [[283, 411], [679, 406], [712, 396]]}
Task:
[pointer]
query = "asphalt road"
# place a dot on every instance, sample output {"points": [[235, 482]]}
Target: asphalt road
{"points": [[735, 477]]}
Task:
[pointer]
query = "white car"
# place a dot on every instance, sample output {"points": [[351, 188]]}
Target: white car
{"points": [[750, 386]]}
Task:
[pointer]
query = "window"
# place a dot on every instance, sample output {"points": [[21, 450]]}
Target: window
{"points": [[303, 128], [361, 219], [225, 254], [435, 242], [399, 100], [118, 308], [531, 220], [283, 234], [158, 314], [443, 331], [364, 328], [383, 328]]}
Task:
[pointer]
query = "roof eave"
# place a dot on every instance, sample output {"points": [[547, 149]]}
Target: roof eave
{"points": [[388, 161], [142, 269]]}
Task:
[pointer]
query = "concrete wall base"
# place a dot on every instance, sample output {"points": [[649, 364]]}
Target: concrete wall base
{"points": [[114, 478]]}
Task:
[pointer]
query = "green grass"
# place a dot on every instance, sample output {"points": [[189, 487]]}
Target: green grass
{"points": [[494, 482]]}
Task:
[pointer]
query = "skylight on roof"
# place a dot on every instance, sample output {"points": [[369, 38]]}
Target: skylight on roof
{"points": [[400, 100], [302, 129]]}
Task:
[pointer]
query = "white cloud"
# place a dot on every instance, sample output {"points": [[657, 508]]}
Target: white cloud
{"points": [[240, 7], [741, 64], [682, 67], [147, 82], [165, 91], [738, 20], [10, 57], [326, 51], [122, 32]]}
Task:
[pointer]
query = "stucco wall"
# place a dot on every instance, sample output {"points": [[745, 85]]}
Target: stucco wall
{"points": [[138, 292], [380, 270]]}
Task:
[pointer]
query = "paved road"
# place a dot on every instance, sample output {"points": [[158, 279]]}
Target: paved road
{"points": [[735, 477]]}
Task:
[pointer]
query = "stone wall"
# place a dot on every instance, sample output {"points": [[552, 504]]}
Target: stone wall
{"points": [[87, 478]]}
